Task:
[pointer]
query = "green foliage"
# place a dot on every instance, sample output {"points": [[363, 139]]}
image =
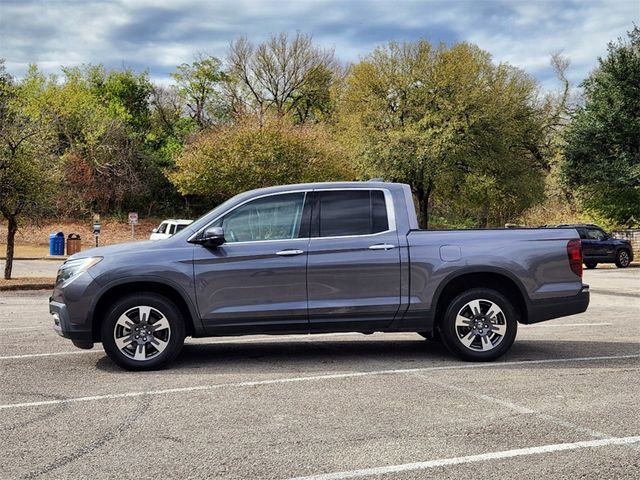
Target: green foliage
{"points": [[448, 122], [228, 160], [124, 93], [603, 141], [27, 177], [198, 84]]}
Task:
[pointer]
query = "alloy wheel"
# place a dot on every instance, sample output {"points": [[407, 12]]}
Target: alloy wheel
{"points": [[142, 333], [480, 325]]}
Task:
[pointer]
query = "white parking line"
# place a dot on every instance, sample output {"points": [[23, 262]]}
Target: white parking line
{"points": [[518, 452], [51, 354], [567, 325], [334, 376], [23, 328]]}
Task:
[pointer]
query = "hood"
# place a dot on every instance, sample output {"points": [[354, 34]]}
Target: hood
{"points": [[621, 241]]}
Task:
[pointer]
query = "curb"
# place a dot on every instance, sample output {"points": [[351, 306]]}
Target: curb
{"points": [[27, 286], [48, 257]]}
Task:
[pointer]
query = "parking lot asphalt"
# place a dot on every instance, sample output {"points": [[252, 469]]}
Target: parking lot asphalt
{"points": [[563, 403]]}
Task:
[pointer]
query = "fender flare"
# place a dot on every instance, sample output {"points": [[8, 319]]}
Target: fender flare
{"points": [[193, 311], [479, 269]]}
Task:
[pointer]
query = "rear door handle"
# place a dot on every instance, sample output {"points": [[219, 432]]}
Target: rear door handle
{"points": [[289, 252], [382, 246]]}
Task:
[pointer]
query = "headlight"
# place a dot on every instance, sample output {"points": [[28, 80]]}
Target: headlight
{"points": [[73, 268]]}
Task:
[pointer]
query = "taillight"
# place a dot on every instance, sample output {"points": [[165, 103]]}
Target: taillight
{"points": [[574, 250]]}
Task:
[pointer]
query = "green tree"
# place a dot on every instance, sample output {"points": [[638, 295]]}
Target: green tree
{"points": [[125, 93], [102, 123], [603, 141], [199, 86], [450, 123], [27, 172], [228, 160]]}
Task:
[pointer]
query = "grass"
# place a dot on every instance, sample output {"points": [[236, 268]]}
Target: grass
{"points": [[26, 251]]}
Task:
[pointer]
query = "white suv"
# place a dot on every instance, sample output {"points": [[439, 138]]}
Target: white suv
{"points": [[168, 228]]}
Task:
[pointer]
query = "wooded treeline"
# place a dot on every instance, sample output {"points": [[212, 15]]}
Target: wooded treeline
{"points": [[478, 141]]}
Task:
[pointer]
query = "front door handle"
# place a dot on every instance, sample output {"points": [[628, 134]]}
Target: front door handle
{"points": [[382, 246], [289, 252]]}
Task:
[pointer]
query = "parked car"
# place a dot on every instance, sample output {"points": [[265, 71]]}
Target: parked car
{"points": [[600, 247], [317, 258], [168, 228]]}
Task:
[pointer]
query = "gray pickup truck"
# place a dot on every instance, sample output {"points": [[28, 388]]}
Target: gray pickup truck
{"points": [[317, 258]]}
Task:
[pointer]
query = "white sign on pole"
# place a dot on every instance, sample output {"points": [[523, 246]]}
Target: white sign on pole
{"points": [[133, 218]]}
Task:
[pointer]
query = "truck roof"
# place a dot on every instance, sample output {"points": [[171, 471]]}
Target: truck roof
{"points": [[320, 185]]}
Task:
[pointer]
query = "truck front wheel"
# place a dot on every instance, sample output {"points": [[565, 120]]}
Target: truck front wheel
{"points": [[143, 331], [479, 325]]}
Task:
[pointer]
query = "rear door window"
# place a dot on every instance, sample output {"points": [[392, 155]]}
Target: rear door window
{"points": [[352, 212]]}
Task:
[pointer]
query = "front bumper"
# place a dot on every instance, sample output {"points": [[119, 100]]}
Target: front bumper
{"points": [[78, 334], [549, 308]]}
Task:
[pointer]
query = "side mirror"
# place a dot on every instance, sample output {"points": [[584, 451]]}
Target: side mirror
{"points": [[212, 237], [155, 230]]}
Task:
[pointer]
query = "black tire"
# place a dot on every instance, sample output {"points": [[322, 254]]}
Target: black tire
{"points": [[505, 321], [590, 265], [170, 339], [623, 258], [432, 336]]}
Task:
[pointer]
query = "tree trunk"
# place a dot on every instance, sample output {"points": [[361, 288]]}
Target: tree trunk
{"points": [[12, 228], [484, 215], [423, 205]]}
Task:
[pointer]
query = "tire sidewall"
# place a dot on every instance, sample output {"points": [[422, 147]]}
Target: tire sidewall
{"points": [[448, 328], [158, 302], [591, 265]]}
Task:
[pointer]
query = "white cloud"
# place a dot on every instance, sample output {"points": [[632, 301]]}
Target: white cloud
{"points": [[163, 33]]}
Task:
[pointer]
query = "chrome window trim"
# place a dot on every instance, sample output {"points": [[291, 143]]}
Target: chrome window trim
{"points": [[388, 198]]}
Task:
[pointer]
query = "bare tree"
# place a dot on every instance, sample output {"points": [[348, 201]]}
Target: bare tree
{"points": [[274, 74]]}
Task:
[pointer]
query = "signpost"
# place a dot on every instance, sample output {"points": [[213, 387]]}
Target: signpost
{"points": [[133, 221], [96, 227]]}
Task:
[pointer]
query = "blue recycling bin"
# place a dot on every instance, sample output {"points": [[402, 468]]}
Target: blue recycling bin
{"points": [[56, 243]]}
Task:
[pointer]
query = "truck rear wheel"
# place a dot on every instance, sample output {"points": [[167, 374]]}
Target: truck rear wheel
{"points": [[590, 265], [143, 331], [479, 325]]}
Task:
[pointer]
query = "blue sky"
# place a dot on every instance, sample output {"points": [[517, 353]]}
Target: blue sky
{"points": [[159, 34]]}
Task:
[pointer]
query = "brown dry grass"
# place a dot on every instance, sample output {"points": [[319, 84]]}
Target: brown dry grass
{"points": [[28, 251], [34, 236]]}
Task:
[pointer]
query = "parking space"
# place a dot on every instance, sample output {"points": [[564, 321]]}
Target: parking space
{"points": [[563, 403]]}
